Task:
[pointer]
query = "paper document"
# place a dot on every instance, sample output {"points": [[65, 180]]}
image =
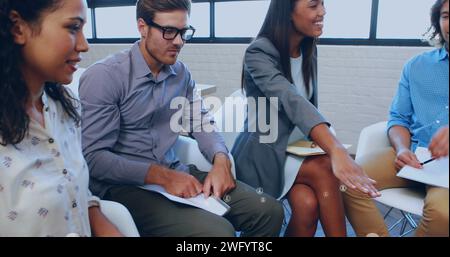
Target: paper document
{"points": [[306, 148], [434, 173], [211, 204]]}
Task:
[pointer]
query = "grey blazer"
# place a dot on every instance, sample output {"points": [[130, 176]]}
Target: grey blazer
{"points": [[261, 165]]}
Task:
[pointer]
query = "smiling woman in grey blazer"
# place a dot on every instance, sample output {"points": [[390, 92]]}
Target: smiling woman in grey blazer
{"points": [[282, 63]]}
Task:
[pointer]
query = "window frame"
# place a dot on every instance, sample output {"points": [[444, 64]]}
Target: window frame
{"points": [[212, 39]]}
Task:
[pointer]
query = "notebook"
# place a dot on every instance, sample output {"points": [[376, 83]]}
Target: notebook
{"points": [[211, 204], [305, 148], [434, 173]]}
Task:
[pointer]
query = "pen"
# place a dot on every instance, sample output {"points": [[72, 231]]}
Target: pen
{"points": [[425, 162]]}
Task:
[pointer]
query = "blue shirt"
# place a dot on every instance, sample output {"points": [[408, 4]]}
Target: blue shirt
{"points": [[126, 118], [421, 102]]}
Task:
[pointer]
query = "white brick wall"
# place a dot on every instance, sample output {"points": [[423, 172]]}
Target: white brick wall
{"points": [[356, 83]]}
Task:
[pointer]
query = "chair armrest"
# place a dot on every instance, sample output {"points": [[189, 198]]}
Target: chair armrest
{"points": [[120, 217], [372, 138], [186, 149]]}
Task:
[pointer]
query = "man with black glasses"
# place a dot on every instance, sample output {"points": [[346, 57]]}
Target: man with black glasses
{"points": [[128, 141]]}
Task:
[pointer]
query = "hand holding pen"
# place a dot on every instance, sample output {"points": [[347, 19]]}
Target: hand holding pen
{"points": [[406, 157], [426, 162]]}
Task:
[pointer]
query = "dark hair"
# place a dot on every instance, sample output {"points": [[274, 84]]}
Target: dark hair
{"points": [[14, 121], [147, 9], [435, 29], [277, 27]]}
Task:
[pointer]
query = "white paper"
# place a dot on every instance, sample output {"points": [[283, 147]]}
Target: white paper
{"points": [[210, 204], [434, 173]]}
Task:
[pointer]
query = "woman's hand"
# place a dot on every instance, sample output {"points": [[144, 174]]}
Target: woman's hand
{"points": [[351, 174], [344, 167], [108, 230], [100, 225]]}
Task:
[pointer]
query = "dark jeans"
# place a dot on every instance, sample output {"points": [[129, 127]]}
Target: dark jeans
{"points": [[255, 215]]}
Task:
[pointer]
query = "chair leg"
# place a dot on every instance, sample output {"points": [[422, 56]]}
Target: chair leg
{"points": [[407, 232], [396, 224], [411, 221], [408, 220], [389, 212], [403, 228]]}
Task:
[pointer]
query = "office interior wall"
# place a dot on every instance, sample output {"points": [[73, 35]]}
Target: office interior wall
{"points": [[356, 83]]}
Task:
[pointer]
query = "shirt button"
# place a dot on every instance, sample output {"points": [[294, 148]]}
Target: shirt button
{"points": [[438, 121], [64, 171], [74, 205], [46, 109], [51, 140], [446, 107]]}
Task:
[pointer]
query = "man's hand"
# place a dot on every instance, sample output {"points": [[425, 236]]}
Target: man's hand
{"points": [[182, 184], [219, 178], [175, 183], [406, 157], [439, 143]]}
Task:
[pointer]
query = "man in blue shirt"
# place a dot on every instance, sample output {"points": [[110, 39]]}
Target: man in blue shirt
{"points": [[128, 140], [418, 118]]}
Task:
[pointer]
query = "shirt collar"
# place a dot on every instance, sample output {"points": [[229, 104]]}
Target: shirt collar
{"points": [[141, 68], [166, 72], [443, 54]]}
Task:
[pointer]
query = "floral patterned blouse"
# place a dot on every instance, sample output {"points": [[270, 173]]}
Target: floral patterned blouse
{"points": [[44, 179]]}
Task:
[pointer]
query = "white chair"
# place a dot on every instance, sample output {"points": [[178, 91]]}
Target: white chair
{"points": [[408, 201], [120, 217], [223, 116]]}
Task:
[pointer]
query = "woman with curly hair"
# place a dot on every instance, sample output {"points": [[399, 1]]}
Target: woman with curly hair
{"points": [[43, 175]]}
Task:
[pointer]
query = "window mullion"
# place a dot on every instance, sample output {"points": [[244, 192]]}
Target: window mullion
{"points": [[374, 20]]}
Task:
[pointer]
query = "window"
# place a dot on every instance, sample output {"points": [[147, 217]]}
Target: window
{"points": [[200, 19], [234, 20], [347, 19], [403, 20], [87, 29], [116, 22], [348, 22]]}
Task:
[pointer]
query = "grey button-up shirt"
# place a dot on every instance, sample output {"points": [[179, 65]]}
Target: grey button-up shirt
{"points": [[126, 119]]}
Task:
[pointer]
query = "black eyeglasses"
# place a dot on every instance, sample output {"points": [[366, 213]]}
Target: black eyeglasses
{"points": [[170, 33]]}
